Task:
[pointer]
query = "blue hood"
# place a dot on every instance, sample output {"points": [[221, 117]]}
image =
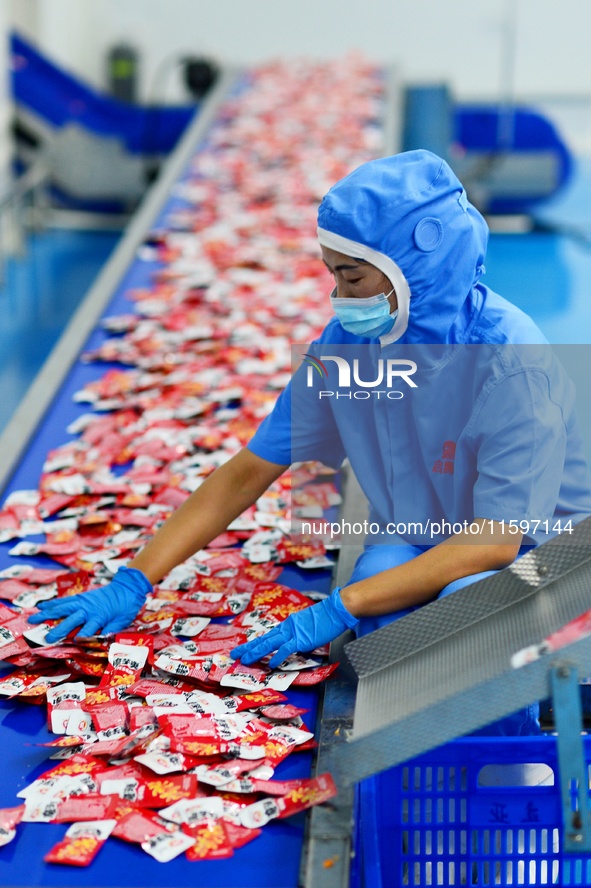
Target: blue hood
{"points": [[409, 215]]}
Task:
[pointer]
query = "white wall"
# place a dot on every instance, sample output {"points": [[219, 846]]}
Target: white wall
{"points": [[460, 41], [246, 31], [23, 14]]}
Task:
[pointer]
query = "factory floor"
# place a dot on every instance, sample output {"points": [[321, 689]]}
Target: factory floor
{"points": [[547, 272]]}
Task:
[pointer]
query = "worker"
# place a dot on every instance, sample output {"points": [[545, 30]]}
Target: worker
{"points": [[470, 455]]}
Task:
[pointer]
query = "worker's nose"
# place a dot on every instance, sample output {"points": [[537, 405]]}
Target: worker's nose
{"points": [[342, 291]]}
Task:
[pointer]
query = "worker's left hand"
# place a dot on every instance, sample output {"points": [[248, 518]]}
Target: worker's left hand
{"points": [[304, 631]]}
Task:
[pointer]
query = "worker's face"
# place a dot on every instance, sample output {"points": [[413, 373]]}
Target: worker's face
{"points": [[356, 279]]}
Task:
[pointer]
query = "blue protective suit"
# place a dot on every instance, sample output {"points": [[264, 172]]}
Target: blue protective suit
{"points": [[489, 430]]}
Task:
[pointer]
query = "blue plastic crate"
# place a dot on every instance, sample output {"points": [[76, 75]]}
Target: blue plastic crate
{"points": [[433, 821]]}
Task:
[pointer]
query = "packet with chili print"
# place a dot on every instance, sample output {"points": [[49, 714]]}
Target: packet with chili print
{"points": [[259, 698], [185, 749], [211, 841], [313, 791], [41, 684], [275, 595], [82, 843], [252, 574], [159, 792], [126, 663], [137, 639]]}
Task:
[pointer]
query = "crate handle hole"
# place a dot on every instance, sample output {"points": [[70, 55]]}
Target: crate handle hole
{"points": [[516, 774]]}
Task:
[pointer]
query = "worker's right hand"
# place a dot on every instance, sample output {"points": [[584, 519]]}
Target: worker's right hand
{"points": [[303, 631], [99, 611]]}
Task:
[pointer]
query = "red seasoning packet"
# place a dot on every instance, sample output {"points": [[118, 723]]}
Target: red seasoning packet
{"points": [[73, 583], [90, 806], [11, 589], [140, 826], [306, 793], [12, 646], [314, 791], [162, 791], [140, 716], [211, 841], [259, 698], [146, 686], [183, 725], [82, 842], [107, 716], [256, 573], [284, 712], [9, 818], [64, 741], [314, 676], [278, 598], [126, 663], [141, 639], [240, 835]]}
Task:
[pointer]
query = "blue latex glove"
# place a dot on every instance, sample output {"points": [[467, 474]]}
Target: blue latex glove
{"points": [[304, 631], [108, 609]]}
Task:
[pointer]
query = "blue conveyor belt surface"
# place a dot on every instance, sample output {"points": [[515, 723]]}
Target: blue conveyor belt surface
{"points": [[272, 860]]}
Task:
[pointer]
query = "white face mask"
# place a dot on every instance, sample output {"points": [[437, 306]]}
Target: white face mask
{"points": [[371, 317]]}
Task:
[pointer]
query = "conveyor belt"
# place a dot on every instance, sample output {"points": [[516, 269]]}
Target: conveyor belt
{"points": [[279, 855], [274, 859]]}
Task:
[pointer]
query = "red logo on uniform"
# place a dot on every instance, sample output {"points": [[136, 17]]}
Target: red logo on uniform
{"points": [[445, 465]]}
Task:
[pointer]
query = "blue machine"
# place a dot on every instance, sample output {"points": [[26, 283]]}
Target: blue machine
{"points": [[509, 157], [98, 149]]}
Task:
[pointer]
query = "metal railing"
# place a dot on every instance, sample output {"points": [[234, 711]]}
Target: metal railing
{"points": [[23, 209]]}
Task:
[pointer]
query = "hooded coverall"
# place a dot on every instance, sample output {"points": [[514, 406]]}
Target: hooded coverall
{"points": [[489, 429]]}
